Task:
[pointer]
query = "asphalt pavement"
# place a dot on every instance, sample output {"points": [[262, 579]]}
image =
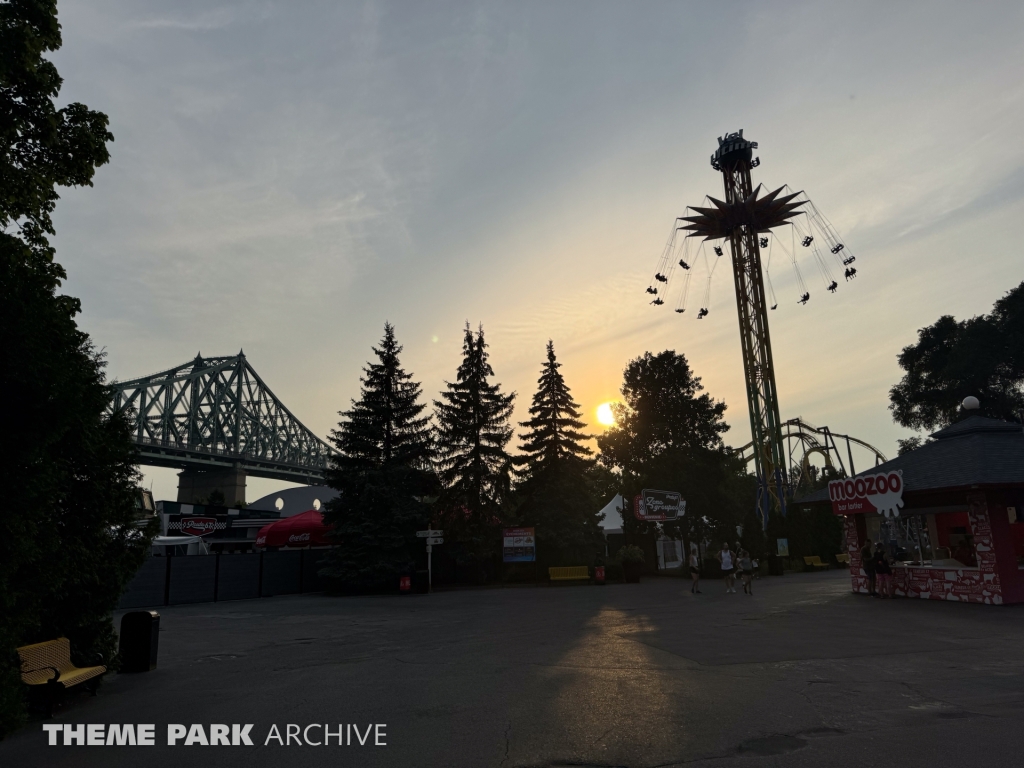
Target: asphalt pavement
{"points": [[802, 673]]}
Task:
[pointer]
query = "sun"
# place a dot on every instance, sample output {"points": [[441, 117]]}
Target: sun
{"points": [[605, 415]]}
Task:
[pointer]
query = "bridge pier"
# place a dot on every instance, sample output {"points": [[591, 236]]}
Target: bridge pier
{"points": [[195, 485]]}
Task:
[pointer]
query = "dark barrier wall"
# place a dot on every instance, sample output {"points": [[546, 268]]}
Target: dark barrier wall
{"points": [[282, 573], [208, 578], [193, 580], [149, 587], [238, 577], [311, 563]]}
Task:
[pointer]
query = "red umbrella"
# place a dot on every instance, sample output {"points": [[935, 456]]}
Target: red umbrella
{"points": [[306, 529]]}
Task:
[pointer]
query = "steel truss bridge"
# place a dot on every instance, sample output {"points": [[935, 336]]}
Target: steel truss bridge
{"points": [[801, 440], [215, 413]]}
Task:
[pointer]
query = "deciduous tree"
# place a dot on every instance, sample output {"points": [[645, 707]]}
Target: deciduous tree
{"points": [[668, 435], [952, 359], [68, 537]]}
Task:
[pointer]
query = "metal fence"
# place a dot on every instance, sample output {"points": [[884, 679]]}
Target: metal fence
{"points": [[211, 578]]}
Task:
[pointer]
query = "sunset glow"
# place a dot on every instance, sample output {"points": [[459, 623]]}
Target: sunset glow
{"points": [[605, 415]]}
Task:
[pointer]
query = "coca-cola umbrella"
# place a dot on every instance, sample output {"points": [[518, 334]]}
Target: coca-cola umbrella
{"points": [[306, 529]]}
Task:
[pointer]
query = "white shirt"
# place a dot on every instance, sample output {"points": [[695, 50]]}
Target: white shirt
{"points": [[726, 556]]}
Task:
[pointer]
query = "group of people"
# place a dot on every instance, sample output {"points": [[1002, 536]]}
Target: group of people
{"points": [[732, 563], [878, 566]]}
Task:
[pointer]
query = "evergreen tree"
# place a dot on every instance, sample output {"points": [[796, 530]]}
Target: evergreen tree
{"points": [[381, 472], [554, 438], [474, 468], [554, 489], [68, 540]]}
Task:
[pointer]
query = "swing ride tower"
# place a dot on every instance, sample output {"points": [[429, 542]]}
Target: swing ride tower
{"points": [[740, 219]]}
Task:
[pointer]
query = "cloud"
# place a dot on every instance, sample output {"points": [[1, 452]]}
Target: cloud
{"points": [[286, 177]]}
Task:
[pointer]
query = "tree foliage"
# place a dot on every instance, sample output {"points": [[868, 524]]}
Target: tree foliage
{"points": [[668, 435], [381, 473], [473, 431], [952, 359], [556, 490], [553, 438], [68, 537]]}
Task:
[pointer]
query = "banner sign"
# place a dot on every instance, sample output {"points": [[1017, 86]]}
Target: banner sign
{"points": [[659, 505], [881, 493], [519, 545], [196, 526]]}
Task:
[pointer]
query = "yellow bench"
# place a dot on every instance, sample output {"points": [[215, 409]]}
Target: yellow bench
{"points": [[48, 666], [815, 562], [569, 573], [843, 558]]}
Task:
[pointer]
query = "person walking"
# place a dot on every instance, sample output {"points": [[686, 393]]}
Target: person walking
{"points": [[725, 557], [746, 571], [694, 570], [867, 562], [883, 571]]}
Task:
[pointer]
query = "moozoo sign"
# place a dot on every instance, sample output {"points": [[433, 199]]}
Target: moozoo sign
{"points": [[881, 493]]}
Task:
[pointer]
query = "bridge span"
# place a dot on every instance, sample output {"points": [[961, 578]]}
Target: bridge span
{"points": [[216, 420]]}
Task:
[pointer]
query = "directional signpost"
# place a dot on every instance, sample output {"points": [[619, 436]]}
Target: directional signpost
{"points": [[433, 537]]}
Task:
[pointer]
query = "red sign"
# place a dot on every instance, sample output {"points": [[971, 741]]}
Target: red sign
{"points": [[405, 583], [198, 526], [882, 493]]}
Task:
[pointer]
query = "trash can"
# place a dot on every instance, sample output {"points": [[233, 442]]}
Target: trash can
{"points": [[140, 636], [775, 567]]}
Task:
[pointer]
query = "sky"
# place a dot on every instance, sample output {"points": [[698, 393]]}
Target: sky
{"points": [[286, 177]]}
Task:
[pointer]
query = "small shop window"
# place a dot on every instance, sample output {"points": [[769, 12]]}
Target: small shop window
{"points": [[955, 540], [942, 540]]}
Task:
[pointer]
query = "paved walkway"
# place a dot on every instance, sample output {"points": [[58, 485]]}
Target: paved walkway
{"points": [[801, 674]]}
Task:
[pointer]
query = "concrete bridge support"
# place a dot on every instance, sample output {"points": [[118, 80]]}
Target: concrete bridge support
{"points": [[195, 486]]}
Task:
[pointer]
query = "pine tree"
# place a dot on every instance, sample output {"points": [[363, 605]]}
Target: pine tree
{"points": [[474, 468], [382, 475], [554, 439], [555, 492]]}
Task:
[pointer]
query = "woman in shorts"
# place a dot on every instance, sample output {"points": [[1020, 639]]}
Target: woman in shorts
{"points": [[726, 558], [746, 571], [694, 571]]}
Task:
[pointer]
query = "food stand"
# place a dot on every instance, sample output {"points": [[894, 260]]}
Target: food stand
{"points": [[950, 514]]}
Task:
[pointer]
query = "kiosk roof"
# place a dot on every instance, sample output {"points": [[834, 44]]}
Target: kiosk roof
{"points": [[976, 451]]}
